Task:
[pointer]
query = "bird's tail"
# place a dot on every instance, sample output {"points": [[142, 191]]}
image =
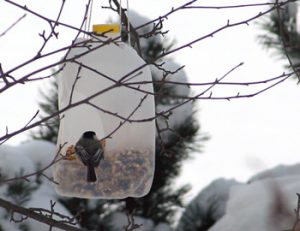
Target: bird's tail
{"points": [[91, 175]]}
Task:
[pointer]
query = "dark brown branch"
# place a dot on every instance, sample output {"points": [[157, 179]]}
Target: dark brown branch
{"points": [[188, 45], [189, 84], [226, 26], [39, 56], [239, 96], [126, 120], [32, 118], [29, 213], [52, 32], [120, 83], [123, 79], [51, 213], [56, 72]]}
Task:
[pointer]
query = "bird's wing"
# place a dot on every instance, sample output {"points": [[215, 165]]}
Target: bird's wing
{"points": [[97, 156], [83, 154]]}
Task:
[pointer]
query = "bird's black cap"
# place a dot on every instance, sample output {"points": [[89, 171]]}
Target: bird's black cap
{"points": [[89, 134]]}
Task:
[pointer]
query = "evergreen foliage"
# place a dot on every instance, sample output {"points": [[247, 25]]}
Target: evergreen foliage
{"points": [[163, 200], [207, 207], [49, 104], [20, 190], [281, 33]]}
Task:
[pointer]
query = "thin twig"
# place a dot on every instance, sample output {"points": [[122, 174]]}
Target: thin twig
{"points": [[40, 171], [13, 25], [13, 208], [233, 6], [74, 84]]}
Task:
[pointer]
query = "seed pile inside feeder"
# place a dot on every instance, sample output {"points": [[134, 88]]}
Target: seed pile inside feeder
{"points": [[119, 174]]}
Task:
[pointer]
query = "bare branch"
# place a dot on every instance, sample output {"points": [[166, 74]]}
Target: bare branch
{"points": [[226, 26], [128, 80], [51, 214], [26, 9], [52, 32], [12, 25], [74, 84], [234, 6], [32, 118], [40, 171], [29, 213], [125, 120]]}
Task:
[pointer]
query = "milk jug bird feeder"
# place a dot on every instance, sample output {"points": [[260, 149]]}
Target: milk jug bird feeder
{"points": [[108, 129]]}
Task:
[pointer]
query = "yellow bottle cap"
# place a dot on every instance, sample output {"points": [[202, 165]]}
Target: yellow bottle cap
{"points": [[106, 28]]}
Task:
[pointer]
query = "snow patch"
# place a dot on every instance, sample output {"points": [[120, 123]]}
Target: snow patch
{"points": [[266, 204], [207, 207]]}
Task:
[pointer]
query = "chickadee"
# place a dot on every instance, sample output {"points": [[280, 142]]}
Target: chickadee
{"points": [[90, 151]]}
